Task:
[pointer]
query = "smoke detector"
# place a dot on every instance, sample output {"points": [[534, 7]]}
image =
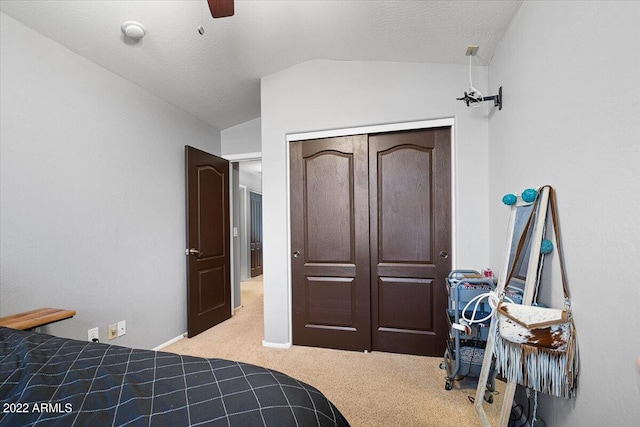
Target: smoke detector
{"points": [[133, 30]]}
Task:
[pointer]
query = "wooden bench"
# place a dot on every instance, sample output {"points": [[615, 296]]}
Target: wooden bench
{"points": [[34, 318]]}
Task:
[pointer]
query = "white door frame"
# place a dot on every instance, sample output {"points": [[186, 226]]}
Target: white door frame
{"points": [[390, 127]]}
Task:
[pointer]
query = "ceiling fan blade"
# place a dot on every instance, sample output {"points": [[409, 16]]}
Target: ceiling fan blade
{"points": [[221, 8]]}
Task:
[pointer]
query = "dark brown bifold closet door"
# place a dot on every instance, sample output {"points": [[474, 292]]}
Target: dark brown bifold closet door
{"points": [[330, 243], [410, 228], [370, 230]]}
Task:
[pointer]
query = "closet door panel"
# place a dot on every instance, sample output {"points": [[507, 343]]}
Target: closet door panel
{"points": [[329, 238], [409, 178]]}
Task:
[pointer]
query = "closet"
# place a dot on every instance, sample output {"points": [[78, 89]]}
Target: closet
{"points": [[370, 240]]}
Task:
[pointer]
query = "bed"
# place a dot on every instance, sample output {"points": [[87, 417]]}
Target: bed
{"points": [[47, 380]]}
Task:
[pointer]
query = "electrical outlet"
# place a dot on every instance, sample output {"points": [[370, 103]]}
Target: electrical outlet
{"points": [[113, 331], [93, 335], [122, 327]]}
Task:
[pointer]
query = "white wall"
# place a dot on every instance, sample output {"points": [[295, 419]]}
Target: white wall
{"points": [[252, 181], [243, 138], [571, 119], [324, 95], [92, 193]]}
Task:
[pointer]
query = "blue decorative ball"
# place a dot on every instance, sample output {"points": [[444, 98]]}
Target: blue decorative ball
{"points": [[529, 195], [546, 247], [509, 199]]}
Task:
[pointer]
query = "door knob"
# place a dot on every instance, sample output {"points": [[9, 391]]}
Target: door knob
{"points": [[296, 254], [444, 254], [192, 251]]}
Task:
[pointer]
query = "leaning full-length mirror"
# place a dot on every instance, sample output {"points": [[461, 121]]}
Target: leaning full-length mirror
{"points": [[520, 288]]}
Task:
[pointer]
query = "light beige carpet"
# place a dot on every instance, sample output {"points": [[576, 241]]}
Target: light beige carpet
{"points": [[375, 389]]}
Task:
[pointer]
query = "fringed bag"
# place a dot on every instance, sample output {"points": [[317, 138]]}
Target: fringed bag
{"points": [[537, 347], [541, 355]]}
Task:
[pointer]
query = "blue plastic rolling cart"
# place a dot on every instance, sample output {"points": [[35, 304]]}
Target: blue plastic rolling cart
{"points": [[464, 353]]}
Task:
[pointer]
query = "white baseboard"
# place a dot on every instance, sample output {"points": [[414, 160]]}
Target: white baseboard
{"points": [[179, 337], [168, 343], [275, 344]]}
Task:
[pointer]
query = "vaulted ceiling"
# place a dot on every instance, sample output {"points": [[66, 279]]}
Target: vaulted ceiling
{"points": [[215, 76]]}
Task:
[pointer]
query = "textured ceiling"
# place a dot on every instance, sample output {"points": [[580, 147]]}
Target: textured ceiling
{"points": [[216, 76]]}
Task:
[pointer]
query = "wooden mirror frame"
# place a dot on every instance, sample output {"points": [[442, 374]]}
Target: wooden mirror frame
{"points": [[527, 298]]}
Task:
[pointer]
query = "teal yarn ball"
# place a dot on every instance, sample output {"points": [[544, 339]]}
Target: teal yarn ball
{"points": [[546, 247], [529, 195], [509, 199]]}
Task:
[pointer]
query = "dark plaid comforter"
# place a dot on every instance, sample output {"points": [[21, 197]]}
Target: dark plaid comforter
{"points": [[46, 380]]}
